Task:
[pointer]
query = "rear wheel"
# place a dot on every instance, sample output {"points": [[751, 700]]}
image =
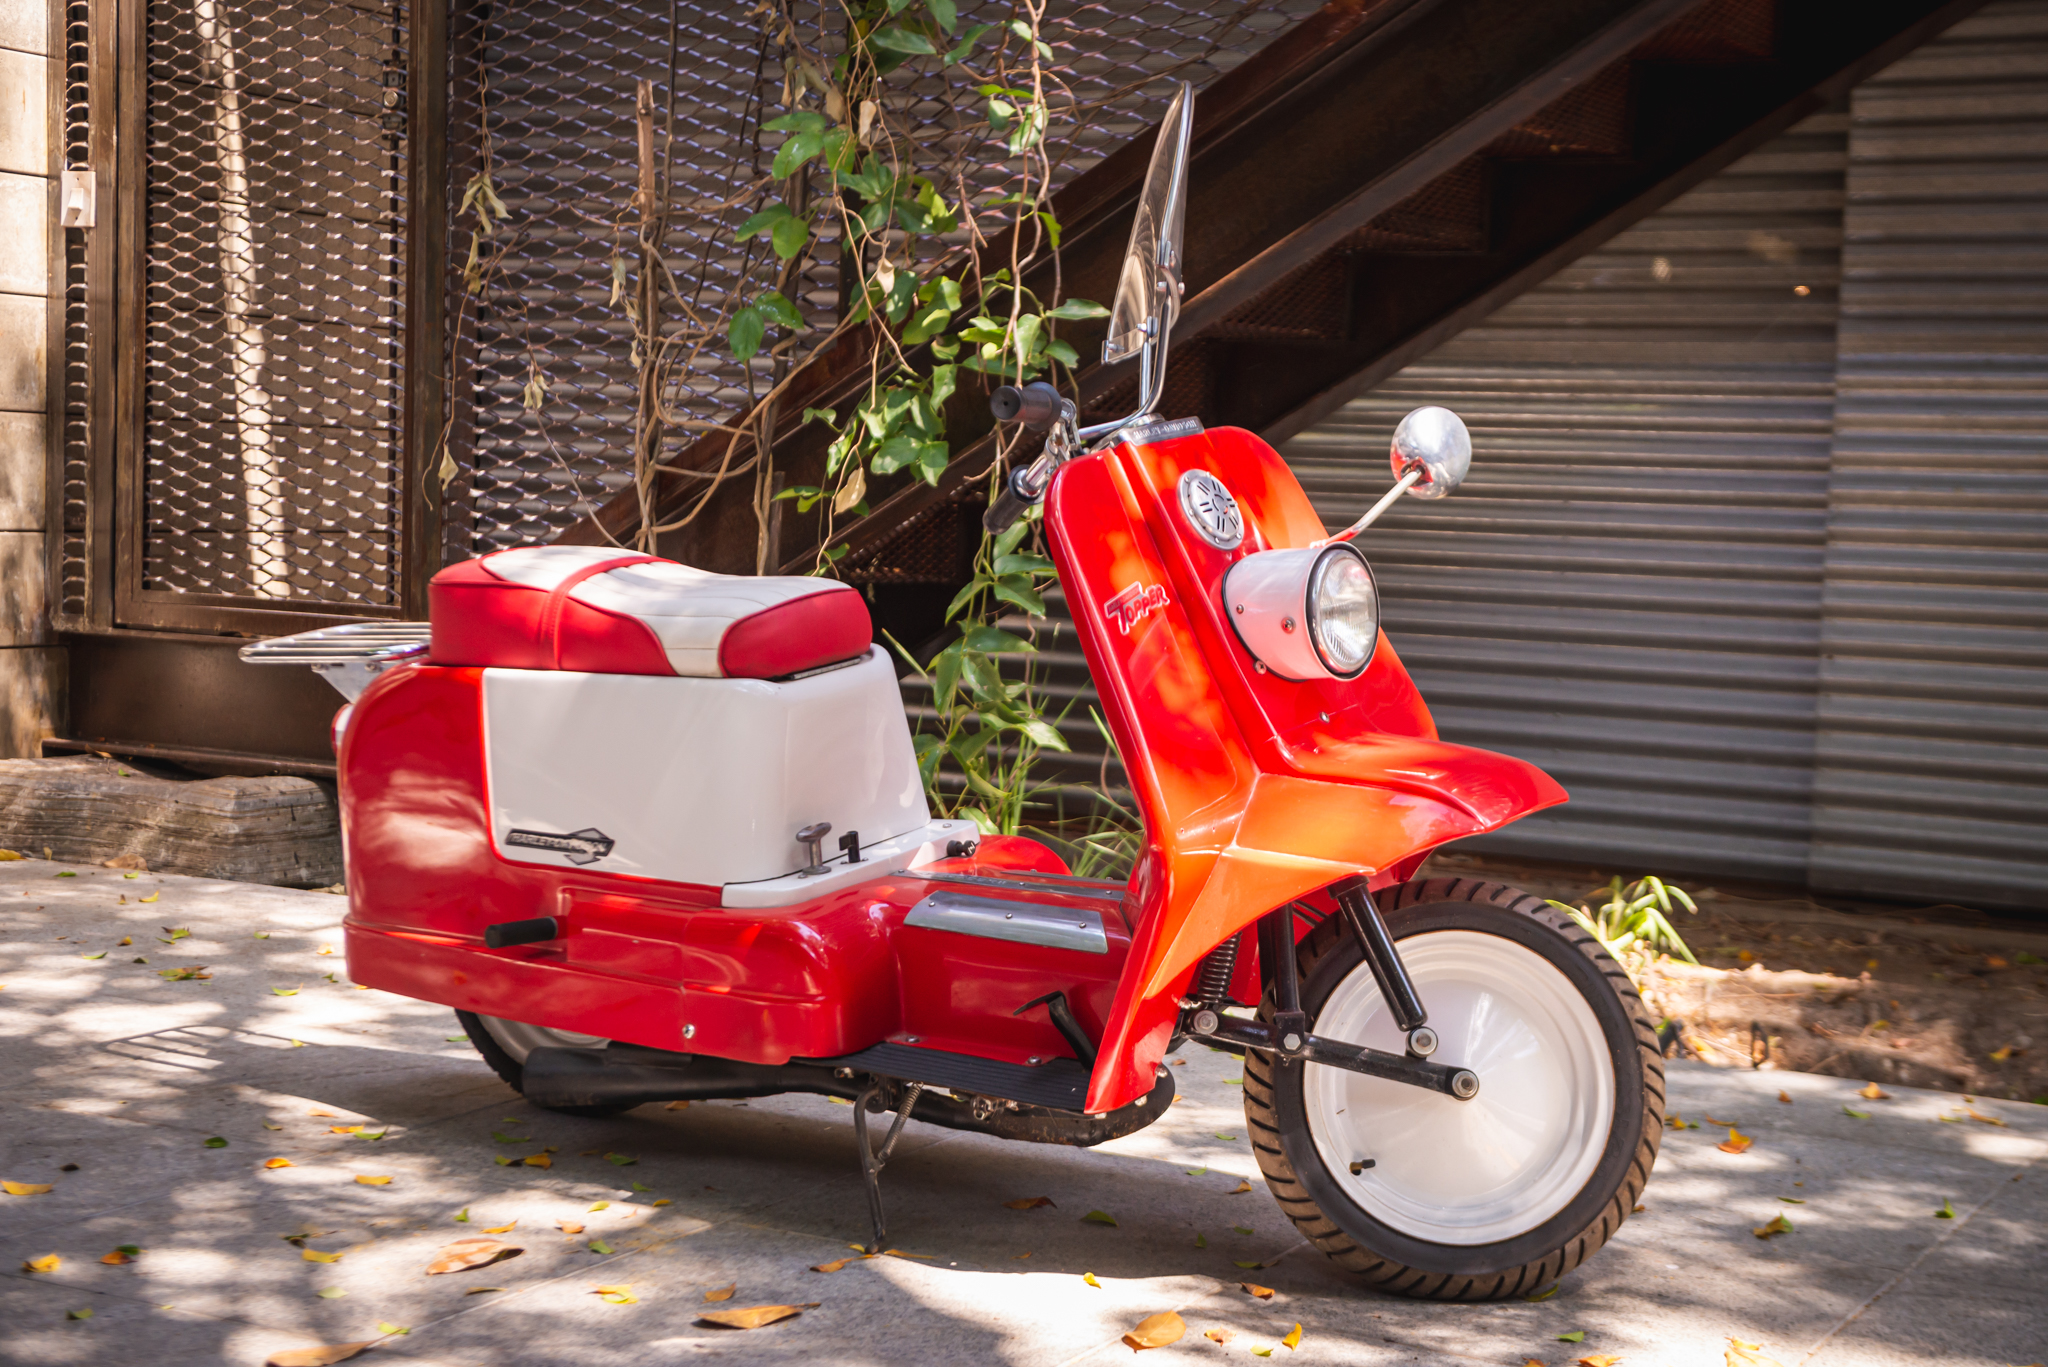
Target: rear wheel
{"points": [[506, 1043], [1466, 1200]]}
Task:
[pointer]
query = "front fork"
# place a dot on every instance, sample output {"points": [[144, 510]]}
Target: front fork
{"points": [[1288, 1039]]}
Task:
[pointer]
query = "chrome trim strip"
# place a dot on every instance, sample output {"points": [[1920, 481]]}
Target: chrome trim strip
{"points": [[1024, 923]]}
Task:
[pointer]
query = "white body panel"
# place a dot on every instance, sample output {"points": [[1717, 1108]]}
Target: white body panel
{"points": [[695, 780], [884, 857], [1267, 597]]}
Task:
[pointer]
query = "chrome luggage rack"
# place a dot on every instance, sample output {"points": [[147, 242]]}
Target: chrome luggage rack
{"points": [[349, 656]]}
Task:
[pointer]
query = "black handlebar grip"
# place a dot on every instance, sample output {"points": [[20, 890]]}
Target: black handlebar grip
{"points": [[1005, 509], [1036, 405]]}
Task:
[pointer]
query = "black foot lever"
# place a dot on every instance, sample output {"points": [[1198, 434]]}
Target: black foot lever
{"points": [[1066, 1022], [871, 1161]]}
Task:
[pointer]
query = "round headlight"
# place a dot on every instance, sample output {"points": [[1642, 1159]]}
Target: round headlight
{"points": [[1343, 611]]}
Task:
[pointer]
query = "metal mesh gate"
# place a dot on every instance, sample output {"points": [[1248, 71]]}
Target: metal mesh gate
{"points": [[274, 190], [543, 97]]}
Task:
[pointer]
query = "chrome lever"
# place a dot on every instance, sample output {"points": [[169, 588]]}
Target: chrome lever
{"points": [[812, 837]]}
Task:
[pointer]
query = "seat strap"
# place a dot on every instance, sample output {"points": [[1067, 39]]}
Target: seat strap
{"points": [[558, 599]]}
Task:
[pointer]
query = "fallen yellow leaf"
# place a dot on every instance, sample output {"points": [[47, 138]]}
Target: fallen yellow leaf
{"points": [[538, 1160], [1156, 1331], [723, 1293], [330, 1115], [1599, 1360], [1736, 1142], [568, 1226], [1779, 1225], [834, 1266], [1028, 1203], [1264, 1293], [316, 1357], [117, 1257], [1976, 1114], [47, 1263], [151, 898], [664, 1201], [1089, 1277], [1785, 1097], [1742, 1354], [345, 1129], [372, 1181], [277, 1162], [501, 1229], [1873, 1092], [1240, 1189], [1293, 1339], [753, 1316], [464, 1254], [26, 1188], [677, 1106], [1219, 1334], [601, 1205], [2000, 1055], [617, 1295], [314, 1255]]}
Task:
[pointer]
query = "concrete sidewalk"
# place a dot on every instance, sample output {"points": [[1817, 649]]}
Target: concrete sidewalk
{"points": [[135, 1079]]}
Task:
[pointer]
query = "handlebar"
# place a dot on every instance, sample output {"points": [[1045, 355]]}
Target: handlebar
{"points": [[1007, 507], [1036, 405]]}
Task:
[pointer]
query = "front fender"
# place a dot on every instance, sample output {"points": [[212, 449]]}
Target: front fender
{"points": [[1291, 836]]}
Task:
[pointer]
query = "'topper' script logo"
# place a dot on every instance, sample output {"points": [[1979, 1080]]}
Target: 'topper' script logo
{"points": [[1133, 605]]}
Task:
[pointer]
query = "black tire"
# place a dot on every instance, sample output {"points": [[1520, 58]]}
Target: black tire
{"points": [[1315, 1198], [509, 1068]]}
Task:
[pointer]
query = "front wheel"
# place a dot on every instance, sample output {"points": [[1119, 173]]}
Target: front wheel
{"points": [[1433, 1197]]}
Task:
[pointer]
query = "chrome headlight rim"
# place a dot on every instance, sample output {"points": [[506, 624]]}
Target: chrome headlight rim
{"points": [[1312, 619]]}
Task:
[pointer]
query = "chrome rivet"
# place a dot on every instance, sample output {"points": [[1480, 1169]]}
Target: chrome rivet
{"points": [[910, 1039], [1032, 1059], [1326, 716], [1240, 609], [689, 1032], [1259, 665], [1286, 624]]}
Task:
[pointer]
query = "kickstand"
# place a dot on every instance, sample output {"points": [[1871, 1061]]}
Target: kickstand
{"points": [[871, 1161]]}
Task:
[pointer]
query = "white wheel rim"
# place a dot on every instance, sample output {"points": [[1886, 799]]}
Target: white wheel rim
{"points": [[1479, 1171], [519, 1039]]}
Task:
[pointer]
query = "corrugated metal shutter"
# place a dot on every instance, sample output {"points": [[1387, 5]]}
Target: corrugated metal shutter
{"points": [[1933, 736], [1627, 590]]}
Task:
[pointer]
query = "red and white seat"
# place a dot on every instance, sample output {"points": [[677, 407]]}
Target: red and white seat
{"points": [[597, 610]]}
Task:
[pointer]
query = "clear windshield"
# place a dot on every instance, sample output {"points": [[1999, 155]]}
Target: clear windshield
{"points": [[1148, 287]]}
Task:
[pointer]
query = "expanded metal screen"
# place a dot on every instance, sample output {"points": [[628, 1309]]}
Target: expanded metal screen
{"points": [[544, 94], [274, 189]]}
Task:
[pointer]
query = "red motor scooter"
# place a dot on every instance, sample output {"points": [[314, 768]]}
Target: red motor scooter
{"points": [[659, 834]]}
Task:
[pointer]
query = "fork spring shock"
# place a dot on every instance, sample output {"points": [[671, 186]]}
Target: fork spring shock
{"points": [[1212, 984]]}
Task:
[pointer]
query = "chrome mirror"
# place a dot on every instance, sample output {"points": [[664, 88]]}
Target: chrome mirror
{"points": [[1431, 453], [1432, 445]]}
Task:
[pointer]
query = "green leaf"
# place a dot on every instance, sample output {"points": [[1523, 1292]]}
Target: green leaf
{"points": [[945, 378], [81, 1314], [1044, 735], [330, 1293], [1546, 1294], [788, 237], [946, 12], [462, 1216], [903, 42], [745, 333], [965, 46], [1947, 1211], [1023, 564], [931, 461], [966, 595], [993, 641], [1018, 593], [801, 121], [926, 323], [103, 954], [620, 1159], [1064, 354], [1076, 309], [1099, 1217], [599, 1246], [1852, 1111], [1012, 537], [216, 1142], [764, 221], [1052, 227], [776, 308], [1575, 1336], [1029, 328], [1201, 1240]]}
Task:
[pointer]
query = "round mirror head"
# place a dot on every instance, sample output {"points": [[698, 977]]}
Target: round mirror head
{"points": [[1433, 440]]}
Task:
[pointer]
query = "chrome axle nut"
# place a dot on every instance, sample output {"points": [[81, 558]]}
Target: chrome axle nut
{"points": [[1290, 1041], [1464, 1084], [1422, 1041]]}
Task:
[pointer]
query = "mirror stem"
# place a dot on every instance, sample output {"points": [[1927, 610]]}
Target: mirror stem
{"points": [[1372, 514]]}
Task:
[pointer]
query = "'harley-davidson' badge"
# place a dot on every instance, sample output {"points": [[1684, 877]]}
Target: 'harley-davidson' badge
{"points": [[1133, 605], [586, 846]]}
